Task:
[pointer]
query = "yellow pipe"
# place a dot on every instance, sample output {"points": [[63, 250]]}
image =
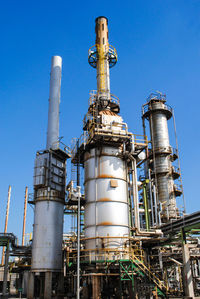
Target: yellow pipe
{"points": [[102, 47]]}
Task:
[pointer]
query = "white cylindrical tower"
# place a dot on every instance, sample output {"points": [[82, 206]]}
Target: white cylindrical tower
{"points": [[54, 102], [107, 224], [106, 210], [158, 113], [49, 198]]}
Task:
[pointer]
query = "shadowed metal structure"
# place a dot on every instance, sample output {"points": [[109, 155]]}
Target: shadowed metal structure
{"points": [[130, 236], [158, 113], [49, 199]]}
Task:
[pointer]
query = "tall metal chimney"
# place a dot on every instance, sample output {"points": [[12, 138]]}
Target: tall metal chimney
{"points": [[54, 103], [49, 196]]}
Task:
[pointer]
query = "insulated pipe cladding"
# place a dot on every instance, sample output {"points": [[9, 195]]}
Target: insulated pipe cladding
{"points": [[49, 187], [54, 102]]}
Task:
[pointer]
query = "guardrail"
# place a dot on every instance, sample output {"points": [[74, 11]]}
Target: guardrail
{"points": [[146, 108], [93, 97], [93, 54]]}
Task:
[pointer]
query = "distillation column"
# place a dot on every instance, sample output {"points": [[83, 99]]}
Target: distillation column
{"points": [[49, 198], [158, 113], [106, 210]]}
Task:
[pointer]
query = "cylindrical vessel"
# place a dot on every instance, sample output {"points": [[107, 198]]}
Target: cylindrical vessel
{"points": [[102, 45], [162, 164], [48, 235], [49, 188], [54, 102], [106, 210]]}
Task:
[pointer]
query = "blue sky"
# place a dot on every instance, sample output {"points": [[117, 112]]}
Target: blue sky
{"points": [[158, 44]]}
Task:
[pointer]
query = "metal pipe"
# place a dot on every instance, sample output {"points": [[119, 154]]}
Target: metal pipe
{"points": [[151, 199], [24, 219], [102, 45], [6, 221], [5, 274], [54, 102], [78, 243], [146, 207], [179, 164], [136, 201]]}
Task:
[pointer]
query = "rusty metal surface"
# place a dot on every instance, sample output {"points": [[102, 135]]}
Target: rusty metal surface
{"points": [[162, 163], [106, 209]]}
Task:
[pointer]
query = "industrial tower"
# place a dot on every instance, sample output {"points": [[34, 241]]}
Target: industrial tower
{"points": [[130, 235]]}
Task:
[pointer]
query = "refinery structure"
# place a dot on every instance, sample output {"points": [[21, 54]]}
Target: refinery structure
{"points": [[130, 235]]}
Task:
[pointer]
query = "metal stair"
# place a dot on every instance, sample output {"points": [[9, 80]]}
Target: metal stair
{"points": [[149, 274]]}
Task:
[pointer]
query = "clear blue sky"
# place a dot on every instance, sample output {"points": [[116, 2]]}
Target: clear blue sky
{"points": [[158, 43]]}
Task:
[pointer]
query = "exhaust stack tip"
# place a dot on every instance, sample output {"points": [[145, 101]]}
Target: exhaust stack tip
{"points": [[54, 101], [101, 17]]}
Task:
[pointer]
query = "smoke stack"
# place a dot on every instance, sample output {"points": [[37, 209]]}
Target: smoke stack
{"points": [[54, 102]]}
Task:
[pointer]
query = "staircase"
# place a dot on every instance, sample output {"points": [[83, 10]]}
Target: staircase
{"points": [[142, 268]]}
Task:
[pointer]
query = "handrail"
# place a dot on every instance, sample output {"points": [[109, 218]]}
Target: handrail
{"points": [[135, 255], [93, 96], [151, 275], [60, 145], [146, 108], [111, 54]]}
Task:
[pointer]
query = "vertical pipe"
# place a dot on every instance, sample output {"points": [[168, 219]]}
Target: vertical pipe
{"points": [[54, 102], [5, 275], [102, 45], [78, 243], [146, 208], [6, 221], [179, 165], [135, 195], [24, 219]]}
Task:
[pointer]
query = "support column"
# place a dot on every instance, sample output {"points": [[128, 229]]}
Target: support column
{"points": [[5, 275], [60, 285], [96, 293], [30, 289], [48, 285], [135, 292], [188, 282]]}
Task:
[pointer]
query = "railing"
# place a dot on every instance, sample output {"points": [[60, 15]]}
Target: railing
{"points": [[149, 273], [157, 96], [174, 151], [60, 145], [94, 95], [139, 139], [176, 169], [133, 254], [178, 187], [107, 254], [82, 140], [111, 54], [146, 108]]}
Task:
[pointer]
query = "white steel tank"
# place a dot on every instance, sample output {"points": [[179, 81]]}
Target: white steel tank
{"points": [[48, 235], [107, 209]]}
